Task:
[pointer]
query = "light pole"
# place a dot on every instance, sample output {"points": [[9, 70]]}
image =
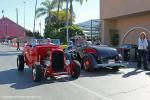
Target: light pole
{"points": [[91, 32], [24, 13], [40, 26], [67, 19], [34, 17], [92, 21], [17, 15]]}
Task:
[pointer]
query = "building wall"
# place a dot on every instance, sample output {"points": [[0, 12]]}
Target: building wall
{"points": [[124, 15], [125, 24], [106, 25], [116, 8]]}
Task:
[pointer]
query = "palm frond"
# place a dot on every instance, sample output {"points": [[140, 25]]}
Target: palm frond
{"points": [[47, 7], [81, 1], [40, 10], [41, 14], [45, 3], [52, 5]]}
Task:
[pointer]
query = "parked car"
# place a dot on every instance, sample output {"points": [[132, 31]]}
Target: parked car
{"points": [[93, 57], [47, 60], [128, 52]]}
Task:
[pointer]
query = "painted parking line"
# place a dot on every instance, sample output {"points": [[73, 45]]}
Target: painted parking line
{"points": [[88, 90]]}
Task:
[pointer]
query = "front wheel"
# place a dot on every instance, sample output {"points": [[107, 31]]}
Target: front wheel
{"points": [[37, 73], [75, 69], [20, 62]]}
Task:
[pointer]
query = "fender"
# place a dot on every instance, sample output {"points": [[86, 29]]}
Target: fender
{"points": [[93, 60]]}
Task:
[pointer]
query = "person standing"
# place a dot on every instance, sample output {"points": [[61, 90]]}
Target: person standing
{"points": [[142, 50], [34, 42], [18, 48], [148, 50]]}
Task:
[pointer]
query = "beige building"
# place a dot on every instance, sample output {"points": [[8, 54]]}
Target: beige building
{"points": [[128, 17]]}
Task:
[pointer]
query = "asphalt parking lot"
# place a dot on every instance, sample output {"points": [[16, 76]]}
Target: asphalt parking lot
{"points": [[104, 84]]}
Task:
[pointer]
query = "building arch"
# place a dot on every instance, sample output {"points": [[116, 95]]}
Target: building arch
{"points": [[132, 29]]}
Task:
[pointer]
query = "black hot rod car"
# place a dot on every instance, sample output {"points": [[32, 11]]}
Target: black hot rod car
{"points": [[99, 56]]}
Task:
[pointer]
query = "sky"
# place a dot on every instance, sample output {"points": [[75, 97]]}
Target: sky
{"points": [[89, 10]]}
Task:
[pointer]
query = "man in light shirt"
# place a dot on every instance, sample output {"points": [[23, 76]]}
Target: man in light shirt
{"points": [[142, 50]]}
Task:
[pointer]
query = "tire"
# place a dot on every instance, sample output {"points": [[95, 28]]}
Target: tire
{"points": [[20, 62], [88, 63], [37, 73], [116, 69], [79, 58], [75, 69]]}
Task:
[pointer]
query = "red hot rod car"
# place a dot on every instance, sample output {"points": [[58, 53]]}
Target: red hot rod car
{"points": [[46, 61]]}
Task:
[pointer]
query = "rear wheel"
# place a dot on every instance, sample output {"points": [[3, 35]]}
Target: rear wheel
{"points": [[20, 62], [87, 64], [75, 69], [37, 73]]}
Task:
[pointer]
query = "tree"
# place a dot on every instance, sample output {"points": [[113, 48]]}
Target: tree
{"points": [[28, 33], [73, 30], [37, 35], [60, 19], [61, 33], [114, 37], [59, 4], [31, 34], [48, 7], [71, 9]]}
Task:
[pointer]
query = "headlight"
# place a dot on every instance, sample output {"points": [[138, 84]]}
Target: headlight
{"points": [[67, 62], [120, 57], [47, 63], [74, 55]]}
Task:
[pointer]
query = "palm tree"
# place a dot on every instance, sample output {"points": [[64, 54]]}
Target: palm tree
{"points": [[71, 9], [59, 4], [60, 19], [48, 7]]}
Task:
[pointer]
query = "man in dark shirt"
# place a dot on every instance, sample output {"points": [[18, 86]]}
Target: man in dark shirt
{"points": [[18, 48]]}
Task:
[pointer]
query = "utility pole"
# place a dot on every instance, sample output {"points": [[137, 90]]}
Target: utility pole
{"points": [[67, 19], [17, 15], [91, 31], [17, 19], [40, 26], [34, 17], [24, 13]]}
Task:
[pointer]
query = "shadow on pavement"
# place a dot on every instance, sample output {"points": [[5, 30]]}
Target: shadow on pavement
{"points": [[99, 72], [23, 80], [13, 51], [9, 53], [134, 72], [148, 73]]}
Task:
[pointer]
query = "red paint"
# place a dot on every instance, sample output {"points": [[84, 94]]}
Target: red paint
{"points": [[90, 51], [32, 55]]}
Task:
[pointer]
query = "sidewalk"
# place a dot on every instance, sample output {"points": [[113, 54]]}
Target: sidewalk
{"points": [[8, 48]]}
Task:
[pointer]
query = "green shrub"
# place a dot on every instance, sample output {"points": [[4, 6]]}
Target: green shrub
{"points": [[114, 37]]}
